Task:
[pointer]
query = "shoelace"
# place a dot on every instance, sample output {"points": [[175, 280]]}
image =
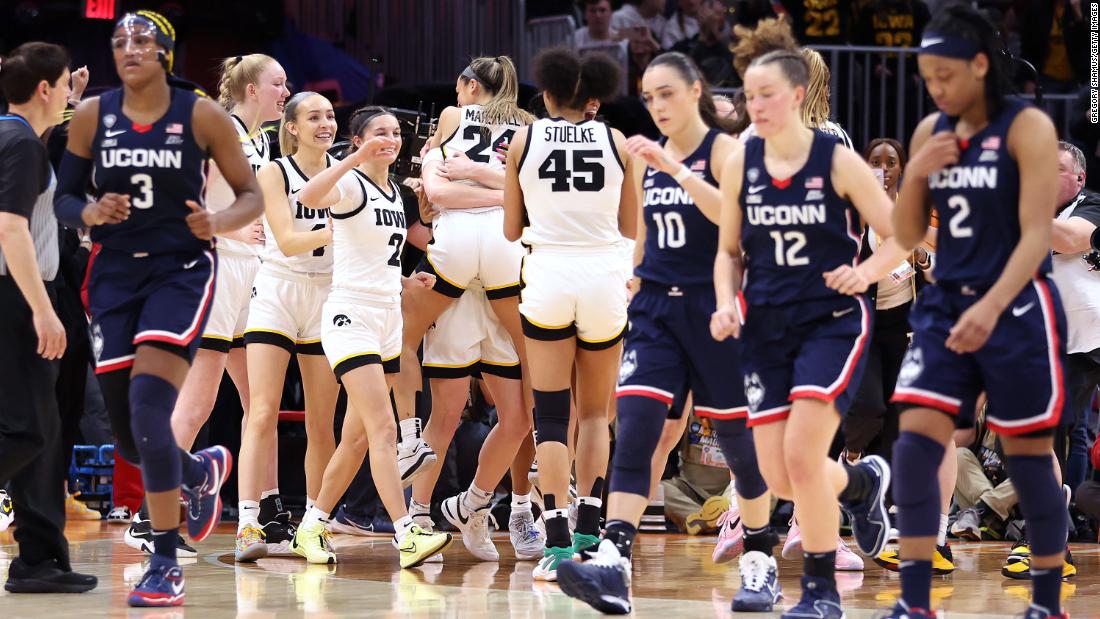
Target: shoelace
{"points": [[754, 574]]}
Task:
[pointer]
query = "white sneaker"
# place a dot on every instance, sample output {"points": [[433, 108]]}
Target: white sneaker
{"points": [[7, 513], [533, 473], [413, 458], [527, 540], [139, 536], [473, 525], [119, 514]]}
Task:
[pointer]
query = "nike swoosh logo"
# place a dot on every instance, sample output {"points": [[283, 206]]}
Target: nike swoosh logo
{"points": [[756, 188], [839, 313], [460, 518], [930, 41], [112, 134], [190, 264], [650, 172], [1020, 311], [375, 198], [177, 588]]}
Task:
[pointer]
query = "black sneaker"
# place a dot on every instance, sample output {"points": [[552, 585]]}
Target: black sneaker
{"points": [[279, 533], [870, 520], [46, 577]]}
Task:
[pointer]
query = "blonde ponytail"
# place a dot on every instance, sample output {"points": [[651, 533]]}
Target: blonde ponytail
{"points": [[498, 77], [236, 74]]}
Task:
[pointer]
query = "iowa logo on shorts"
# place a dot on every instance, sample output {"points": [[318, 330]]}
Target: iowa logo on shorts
{"points": [[340, 320], [253, 292]]}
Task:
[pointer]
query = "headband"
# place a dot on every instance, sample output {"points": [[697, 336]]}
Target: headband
{"points": [[164, 33], [471, 73], [948, 46]]}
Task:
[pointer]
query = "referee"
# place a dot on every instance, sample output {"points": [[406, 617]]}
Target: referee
{"points": [[35, 82]]}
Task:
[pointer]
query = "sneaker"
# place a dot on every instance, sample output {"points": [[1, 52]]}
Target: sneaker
{"points": [[119, 514], [731, 535], [250, 544], [968, 525], [345, 523], [846, 560], [943, 561], [870, 520], [533, 473], [760, 589], [902, 611], [204, 505], [75, 509], [46, 577], [473, 525], [418, 546], [413, 458], [1020, 551], [706, 519], [603, 582], [547, 568], [792, 547], [820, 600], [139, 536], [1038, 612], [312, 542], [527, 539], [160, 586], [7, 512], [585, 546], [1019, 567], [279, 536]]}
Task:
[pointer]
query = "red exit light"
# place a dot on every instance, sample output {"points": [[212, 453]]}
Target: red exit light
{"points": [[99, 9]]}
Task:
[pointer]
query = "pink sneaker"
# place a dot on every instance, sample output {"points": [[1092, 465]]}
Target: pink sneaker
{"points": [[792, 548], [846, 560], [731, 535]]}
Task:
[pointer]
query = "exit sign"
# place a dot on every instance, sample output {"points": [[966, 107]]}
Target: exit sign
{"points": [[99, 9]]}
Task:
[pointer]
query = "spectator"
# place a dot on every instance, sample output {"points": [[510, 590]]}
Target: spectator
{"points": [[684, 23], [597, 31], [1056, 43], [635, 14], [748, 13], [891, 23], [818, 22], [710, 47], [1078, 217], [983, 491], [702, 479]]}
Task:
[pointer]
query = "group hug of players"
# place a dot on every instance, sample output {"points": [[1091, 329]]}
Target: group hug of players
{"points": [[731, 271]]}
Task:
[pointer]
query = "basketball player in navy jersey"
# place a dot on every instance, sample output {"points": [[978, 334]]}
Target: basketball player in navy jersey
{"points": [[792, 202], [993, 321], [669, 349], [151, 277]]}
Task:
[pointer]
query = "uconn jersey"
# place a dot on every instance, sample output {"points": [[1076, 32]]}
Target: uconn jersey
{"points": [[794, 229], [572, 179], [303, 219], [680, 242], [160, 166], [479, 140], [978, 201]]}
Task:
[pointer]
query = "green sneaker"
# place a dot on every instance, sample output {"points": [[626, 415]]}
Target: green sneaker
{"points": [[312, 542], [581, 543], [547, 569]]}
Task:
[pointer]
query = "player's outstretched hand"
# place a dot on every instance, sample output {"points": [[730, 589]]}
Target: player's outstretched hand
{"points": [[725, 322], [51, 334], [973, 328], [652, 154], [201, 221], [420, 279], [938, 151], [376, 147], [846, 279], [112, 208]]}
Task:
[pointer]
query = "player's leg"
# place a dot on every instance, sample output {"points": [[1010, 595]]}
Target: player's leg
{"points": [[197, 397], [420, 308], [671, 433], [449, 396], [320, 390]]}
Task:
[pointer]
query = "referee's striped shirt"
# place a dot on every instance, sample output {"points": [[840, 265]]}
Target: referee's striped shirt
{"points": [[27, 185]]}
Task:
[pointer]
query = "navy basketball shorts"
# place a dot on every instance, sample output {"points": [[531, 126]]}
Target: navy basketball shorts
{"points": [[152, 298], [812, 349], [1019, 367], [669, 351]]}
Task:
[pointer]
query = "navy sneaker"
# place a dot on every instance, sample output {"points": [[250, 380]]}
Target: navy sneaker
{"points": [[344, 522], [820, 600], [902, 611], [603, 582], [1038, 612], [160, 586], [870, 520], [759, 590], [204, 505], [382, 524]]}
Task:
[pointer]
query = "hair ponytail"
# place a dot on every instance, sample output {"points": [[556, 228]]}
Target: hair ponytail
{"points": [[960, 20], [689, 72], [360, 119], [498, 77], [236, 74], [288, 142]]}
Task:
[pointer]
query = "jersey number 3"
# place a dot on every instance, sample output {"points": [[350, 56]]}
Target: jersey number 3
{"points": [[586, 175], [144, 184]]}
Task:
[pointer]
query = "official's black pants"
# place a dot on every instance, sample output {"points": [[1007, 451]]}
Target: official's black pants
{"points": [[31, 461]]}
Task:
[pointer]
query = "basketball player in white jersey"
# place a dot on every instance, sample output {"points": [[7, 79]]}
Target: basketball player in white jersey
{"points": [[253, 90], [566, 177], [285, 314], [362, 331]]}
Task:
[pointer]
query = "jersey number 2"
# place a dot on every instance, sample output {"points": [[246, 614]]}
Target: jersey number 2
{"points": [[956, 227], [396, 240], [555, 168], [482, 135], [144, 184]]}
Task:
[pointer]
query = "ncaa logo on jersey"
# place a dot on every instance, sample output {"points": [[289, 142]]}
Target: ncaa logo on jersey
{"points": [[754, 391], [97, 341], [752, 175], [109, 120], [341, 320], [911, 368], [629, 364]]}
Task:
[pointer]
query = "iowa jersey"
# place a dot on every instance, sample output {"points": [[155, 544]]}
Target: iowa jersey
{"points": [[219, 195], [303, 219], [978, 201], [160, 166], [680, 242], [479, 140], [794, 229], [367, 240], [256, 147], [572, 179]]}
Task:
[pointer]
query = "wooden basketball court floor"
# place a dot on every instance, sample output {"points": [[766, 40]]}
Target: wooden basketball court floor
{"points": [[673, 577]]}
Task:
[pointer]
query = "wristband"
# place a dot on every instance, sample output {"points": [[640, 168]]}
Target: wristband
{"points": [[682, 174]]}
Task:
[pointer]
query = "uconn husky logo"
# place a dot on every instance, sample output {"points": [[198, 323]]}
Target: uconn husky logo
{"points": [[628, 366], [754, 391], [911, 368]]}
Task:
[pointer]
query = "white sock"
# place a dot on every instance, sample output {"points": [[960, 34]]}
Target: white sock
{"points": [[402, 526], [313, 516], [416, 509], [310, 503], [475, 498], [410, 429], [267, 493], [249, 514], [941, 538], [521, 502]]}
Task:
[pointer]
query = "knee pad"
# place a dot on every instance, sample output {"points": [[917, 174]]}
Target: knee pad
{"points": [[917, 460], [641, 421], [552, 416], [151, 402], [735, 440], [1042, 502]]}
